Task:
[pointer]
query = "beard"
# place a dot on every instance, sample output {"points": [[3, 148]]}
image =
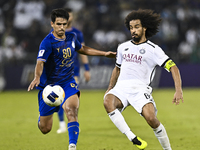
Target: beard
{"points": [[60, 34], [136, 39]]}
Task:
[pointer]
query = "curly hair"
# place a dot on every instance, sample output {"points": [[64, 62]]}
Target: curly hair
{"points": [[148, 19]]}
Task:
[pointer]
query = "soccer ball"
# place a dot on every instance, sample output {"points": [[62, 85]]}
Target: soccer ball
{"points": [[53, 95]]}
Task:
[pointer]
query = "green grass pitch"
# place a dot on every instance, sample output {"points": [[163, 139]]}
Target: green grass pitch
{"points": [[19, 115]]}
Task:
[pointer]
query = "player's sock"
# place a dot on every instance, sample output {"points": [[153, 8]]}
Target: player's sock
{"points": [[121, 124], [61, 114], [73, 131], [162, 137], [62, 125]]}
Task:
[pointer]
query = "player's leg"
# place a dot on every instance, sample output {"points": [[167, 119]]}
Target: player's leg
{"points": [[45, 120], [71, 106], [149, 114], [112, 104], [45, 123], [62, 124]]}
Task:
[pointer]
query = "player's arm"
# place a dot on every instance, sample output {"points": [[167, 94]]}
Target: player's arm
{"points": [[171, 66], [84, 60], [114, 77], [178, 85], [93, 52], [38, 72]]}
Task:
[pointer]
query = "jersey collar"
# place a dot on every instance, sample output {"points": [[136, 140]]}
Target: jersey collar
{"points": [[139, 43], [58, 38]]}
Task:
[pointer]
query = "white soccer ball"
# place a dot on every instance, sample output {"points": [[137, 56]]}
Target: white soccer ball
{"points": [[53, 95]]}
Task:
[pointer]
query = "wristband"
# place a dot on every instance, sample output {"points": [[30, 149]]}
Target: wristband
{"points": [[86, 66]]}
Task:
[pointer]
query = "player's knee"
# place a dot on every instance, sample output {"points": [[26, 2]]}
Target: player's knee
{"points": [[71, 112], [153, 121], [45, 130], [108, 104]]}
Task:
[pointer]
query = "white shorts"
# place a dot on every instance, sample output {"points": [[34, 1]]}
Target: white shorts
{"points": [[133, 94]]}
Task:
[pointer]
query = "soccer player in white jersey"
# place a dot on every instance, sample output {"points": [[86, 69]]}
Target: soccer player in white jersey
{"points": [[132, 75]]}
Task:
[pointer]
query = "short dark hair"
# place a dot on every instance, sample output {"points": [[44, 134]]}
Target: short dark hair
{"points": [[148, 19], [59, 12]]}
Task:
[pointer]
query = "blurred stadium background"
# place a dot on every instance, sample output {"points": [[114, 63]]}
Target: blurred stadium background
{"points": [[24, 23]]}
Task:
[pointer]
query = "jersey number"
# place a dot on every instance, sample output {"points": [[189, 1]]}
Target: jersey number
{"points": [[147, 95], [67, 53]]}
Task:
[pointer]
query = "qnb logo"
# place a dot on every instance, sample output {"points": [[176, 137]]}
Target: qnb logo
{"points": [[132, 58], [52, 96]]}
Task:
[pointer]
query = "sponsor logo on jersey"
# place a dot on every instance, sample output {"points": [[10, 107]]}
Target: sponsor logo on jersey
{"points": [[73, 44], [41, 52], [132, 58], [142, 51], [126, 49]]}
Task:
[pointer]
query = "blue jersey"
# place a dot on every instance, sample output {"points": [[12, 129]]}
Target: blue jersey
{"points": [[76, 56], [58, 57]]}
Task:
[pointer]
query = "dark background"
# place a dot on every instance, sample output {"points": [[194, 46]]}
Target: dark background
{"points": [[24, 23]]}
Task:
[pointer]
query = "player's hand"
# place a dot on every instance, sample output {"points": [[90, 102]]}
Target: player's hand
{"points": [[110, 54], [87, 76], [177, 97], [35, 82]]}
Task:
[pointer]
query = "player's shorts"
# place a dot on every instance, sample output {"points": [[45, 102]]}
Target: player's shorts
{"points": [[131, 93], [69, 88]]}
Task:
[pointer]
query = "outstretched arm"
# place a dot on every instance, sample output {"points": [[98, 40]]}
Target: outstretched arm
{"points": [[38, 72], [93, 52], [113, 79], [85, 62], [178, 85]]}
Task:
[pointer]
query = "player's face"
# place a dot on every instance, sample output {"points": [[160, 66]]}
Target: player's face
{"points": [[59, 27], [137, 31]]}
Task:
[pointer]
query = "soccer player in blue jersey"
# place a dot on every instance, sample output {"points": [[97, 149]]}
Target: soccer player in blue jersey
{"points": [[84, 59], [55, 66]]}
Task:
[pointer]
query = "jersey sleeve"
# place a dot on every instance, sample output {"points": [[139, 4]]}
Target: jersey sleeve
{"points": [[119, 57], [160, 56], [44, 50], [77, 43], [80, 37]]}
